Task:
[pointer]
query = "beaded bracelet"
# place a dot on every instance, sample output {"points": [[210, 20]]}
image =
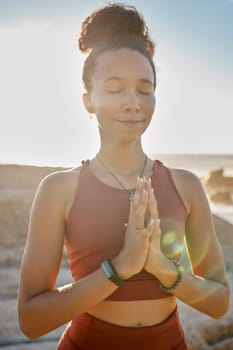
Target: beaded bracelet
{"points": [[179, 270]]}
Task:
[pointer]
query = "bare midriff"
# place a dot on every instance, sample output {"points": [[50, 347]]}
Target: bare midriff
{"points": [[139, 313]]}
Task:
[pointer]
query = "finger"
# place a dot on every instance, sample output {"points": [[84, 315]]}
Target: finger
{"points": [[139, 214], [148, 184], [138, 192], [136, 195], [152, 204], [134, 204], [148, 188], [139, 203], [149, 229], [157, 228], [156, 234]]}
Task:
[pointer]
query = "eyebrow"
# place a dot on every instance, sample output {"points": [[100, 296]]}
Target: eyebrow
{"points": [[142, 80]]}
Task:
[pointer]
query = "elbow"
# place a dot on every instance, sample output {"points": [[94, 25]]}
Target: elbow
{"points": [[27, 325], [223, 305], [221, 311], [28, 331]]}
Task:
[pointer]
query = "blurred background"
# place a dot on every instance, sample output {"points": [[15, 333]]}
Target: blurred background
{"points": [[43, 121], [45, 128]]}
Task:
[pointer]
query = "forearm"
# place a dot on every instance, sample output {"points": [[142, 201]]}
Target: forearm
{"points": [[208, 296], [51, 309]]}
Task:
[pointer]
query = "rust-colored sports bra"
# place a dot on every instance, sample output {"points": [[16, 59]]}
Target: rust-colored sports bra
{"points": [[96, 228]]}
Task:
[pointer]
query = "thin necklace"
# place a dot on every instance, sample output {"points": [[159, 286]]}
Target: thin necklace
{"points": [[131, 193]]}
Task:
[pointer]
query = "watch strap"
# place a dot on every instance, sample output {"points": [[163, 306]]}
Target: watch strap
{"points": [[111, 273]]}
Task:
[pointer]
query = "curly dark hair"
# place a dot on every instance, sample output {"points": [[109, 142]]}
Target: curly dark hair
{"points": [[113, 27]]}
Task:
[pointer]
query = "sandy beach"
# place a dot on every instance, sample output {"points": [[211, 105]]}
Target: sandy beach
{"points": [[18, 184]]}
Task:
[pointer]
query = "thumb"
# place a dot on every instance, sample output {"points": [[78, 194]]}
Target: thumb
{"points": [[149, 229]]}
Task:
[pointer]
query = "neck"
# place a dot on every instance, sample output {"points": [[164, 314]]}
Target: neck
{"points": [[123, 159]]}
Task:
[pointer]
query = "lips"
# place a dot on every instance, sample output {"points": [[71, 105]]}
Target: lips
{"points": [[131, 121]]}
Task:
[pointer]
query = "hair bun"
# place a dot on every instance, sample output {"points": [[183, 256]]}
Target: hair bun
{"points": [[114, 23]]}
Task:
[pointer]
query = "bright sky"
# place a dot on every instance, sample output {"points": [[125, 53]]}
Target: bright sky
{"points": [[43, 120]]}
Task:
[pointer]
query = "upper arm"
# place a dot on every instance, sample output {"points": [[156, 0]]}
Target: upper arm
{"points": [[203, 247], [44, 246]]}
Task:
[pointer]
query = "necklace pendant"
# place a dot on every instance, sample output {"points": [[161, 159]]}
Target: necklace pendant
{"points": [[131, 195]]}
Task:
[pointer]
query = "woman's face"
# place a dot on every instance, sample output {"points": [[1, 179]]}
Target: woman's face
{"points": [[122, 96]]}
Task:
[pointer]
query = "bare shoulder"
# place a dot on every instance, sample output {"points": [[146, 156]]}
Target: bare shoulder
{"points": [[189, 186], [185, 176], [62, 177], [60, 183]]}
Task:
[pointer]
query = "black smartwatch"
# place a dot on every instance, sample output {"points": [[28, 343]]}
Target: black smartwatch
{"points": [[111, 274]]}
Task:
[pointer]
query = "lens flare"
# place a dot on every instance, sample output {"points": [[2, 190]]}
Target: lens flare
{"points": [[203, 296], [203, 248], [171, 245]]}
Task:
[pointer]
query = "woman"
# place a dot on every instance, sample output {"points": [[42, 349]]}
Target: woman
{"points": [[122, 216]]}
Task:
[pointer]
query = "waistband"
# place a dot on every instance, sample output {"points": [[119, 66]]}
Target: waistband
{"points": [[89, 333], [135, 332]]}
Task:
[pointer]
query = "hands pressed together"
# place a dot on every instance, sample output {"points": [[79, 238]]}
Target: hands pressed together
{"points": [[141, 248]]}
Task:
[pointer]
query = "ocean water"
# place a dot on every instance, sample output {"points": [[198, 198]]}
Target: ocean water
{"points": [[201, 164]]}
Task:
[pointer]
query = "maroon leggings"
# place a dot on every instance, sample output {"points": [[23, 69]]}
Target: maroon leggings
{"points": [[89, 333]]}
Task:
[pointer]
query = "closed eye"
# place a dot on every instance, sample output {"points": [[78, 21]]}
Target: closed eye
{"points": [[114, 91], [119, 90], [144, 92]]}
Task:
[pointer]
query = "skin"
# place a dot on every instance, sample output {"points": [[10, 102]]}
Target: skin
{"points": [[122, 98]]}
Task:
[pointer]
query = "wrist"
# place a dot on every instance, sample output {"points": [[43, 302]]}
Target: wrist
{"points": [[163, 269], [172, 277], [158, 265], [119, 267], [111, 273]]}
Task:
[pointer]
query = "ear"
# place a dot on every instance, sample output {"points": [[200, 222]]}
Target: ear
{"points": [[87, 103]]}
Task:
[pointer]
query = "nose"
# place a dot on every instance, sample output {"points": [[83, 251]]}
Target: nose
{"points": [[131, 103]]}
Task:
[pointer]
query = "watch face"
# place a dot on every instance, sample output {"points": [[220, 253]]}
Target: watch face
{"points": [[107, 269]]}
